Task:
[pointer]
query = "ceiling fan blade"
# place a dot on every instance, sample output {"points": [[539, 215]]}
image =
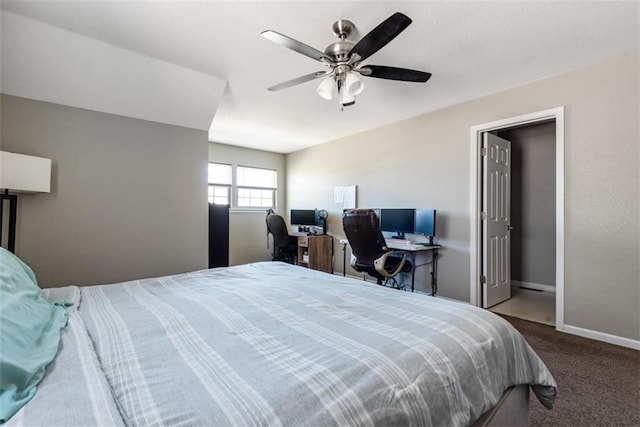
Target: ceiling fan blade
{"points": [[377, 38], [393, 73], [295, 45], [298, 80]]}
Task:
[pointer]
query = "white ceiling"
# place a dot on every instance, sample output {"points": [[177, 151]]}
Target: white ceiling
{"points": [[203, 64]]}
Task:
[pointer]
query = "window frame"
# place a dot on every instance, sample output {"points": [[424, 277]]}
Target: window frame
{"points": [[274, 194]]}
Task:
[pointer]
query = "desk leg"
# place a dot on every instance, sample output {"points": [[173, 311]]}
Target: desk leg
{"points": [[413, 270], [434, 272], [344, 260]]}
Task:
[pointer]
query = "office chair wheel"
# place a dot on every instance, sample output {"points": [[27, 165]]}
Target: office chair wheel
{"points": [[393, 283]]}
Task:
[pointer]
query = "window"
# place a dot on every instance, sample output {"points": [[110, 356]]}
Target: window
{"points": [[255, 187], [220, 184]]}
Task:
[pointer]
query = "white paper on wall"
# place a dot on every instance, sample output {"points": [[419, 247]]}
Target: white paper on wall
{"points": [[346, 196]]}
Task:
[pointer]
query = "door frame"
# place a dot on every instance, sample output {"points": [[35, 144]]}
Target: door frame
{"points": [[475, 207]]}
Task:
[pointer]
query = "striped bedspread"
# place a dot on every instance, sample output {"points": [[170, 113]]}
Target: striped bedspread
{"points": [[274, 344]]}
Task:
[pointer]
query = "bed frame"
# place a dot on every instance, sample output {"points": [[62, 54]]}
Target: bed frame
{"points": [[511, 410]]}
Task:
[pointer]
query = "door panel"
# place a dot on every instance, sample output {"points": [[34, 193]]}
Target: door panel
{"points": [[496, 199]]}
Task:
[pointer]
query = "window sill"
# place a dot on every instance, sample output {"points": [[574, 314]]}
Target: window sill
{"points": [[261, 211]]}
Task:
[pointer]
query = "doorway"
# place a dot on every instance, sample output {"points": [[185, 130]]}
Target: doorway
{"points": [[554, 245]]}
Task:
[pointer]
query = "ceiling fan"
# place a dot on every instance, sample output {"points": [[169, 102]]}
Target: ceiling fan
{"points": [[343, 59]]}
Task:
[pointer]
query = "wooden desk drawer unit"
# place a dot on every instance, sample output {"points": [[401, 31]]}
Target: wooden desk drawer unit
{"points": [[316, 252]]}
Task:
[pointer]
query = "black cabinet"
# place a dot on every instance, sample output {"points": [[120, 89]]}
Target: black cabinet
{"points": [[218, 235]]}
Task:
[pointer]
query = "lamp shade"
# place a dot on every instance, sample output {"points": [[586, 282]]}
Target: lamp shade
{"points": [[354, 84], [20, 173], [346, 98], [326, 87]]}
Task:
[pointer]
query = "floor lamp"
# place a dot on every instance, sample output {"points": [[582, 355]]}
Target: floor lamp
{"points": [[20, 174]]}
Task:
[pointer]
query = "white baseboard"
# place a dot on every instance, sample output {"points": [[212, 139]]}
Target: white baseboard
{"points": [[601, 336], [351, 276], [535, 286]]}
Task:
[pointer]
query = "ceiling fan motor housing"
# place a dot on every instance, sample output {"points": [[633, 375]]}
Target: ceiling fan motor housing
{"points": [[339, 51]]}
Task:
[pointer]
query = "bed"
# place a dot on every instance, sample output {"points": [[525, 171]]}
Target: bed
{"points": [[273, 344]]}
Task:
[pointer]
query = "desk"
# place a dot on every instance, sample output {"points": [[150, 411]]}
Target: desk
{"points": [[412, 249]]}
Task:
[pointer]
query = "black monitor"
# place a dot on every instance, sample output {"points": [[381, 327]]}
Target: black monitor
{"points": [[425, 223], [397, 221], [303, 217]]}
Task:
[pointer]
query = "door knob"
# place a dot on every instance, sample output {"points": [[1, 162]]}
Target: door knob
{"points": [[509, 228]]}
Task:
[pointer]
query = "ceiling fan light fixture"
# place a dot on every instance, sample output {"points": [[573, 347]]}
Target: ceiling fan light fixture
{"points": [[326, 87], [353, 84]]}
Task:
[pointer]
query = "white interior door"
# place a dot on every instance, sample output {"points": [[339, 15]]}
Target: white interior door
{"points": [[496, 200]]}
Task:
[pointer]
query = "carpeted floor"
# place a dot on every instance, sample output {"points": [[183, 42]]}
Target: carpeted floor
{"points": [[598, 383]]}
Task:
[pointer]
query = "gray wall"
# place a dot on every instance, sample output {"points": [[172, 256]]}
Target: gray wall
{"points": [[533, 200], [128, 197], [425, 162], [247, 229]]}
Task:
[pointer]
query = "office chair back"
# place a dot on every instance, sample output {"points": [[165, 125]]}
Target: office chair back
{"points": [[284, 246], [369, 247], [362, 229]]}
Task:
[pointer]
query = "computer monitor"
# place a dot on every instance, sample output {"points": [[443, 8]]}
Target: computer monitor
{"points": [[303, 217], [425, 223], [397, 221]]}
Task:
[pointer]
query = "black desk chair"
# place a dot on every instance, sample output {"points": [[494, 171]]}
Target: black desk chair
{"points": [[369, 249], [285, 247]]}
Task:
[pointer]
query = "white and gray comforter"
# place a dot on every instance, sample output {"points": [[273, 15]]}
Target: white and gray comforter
{"points": [[274, 344]]}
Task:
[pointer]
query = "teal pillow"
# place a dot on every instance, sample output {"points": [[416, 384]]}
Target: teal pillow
{"points": [[29, 334]]}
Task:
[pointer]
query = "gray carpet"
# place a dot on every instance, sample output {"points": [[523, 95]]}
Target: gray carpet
{"points": [[598, 383]]}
